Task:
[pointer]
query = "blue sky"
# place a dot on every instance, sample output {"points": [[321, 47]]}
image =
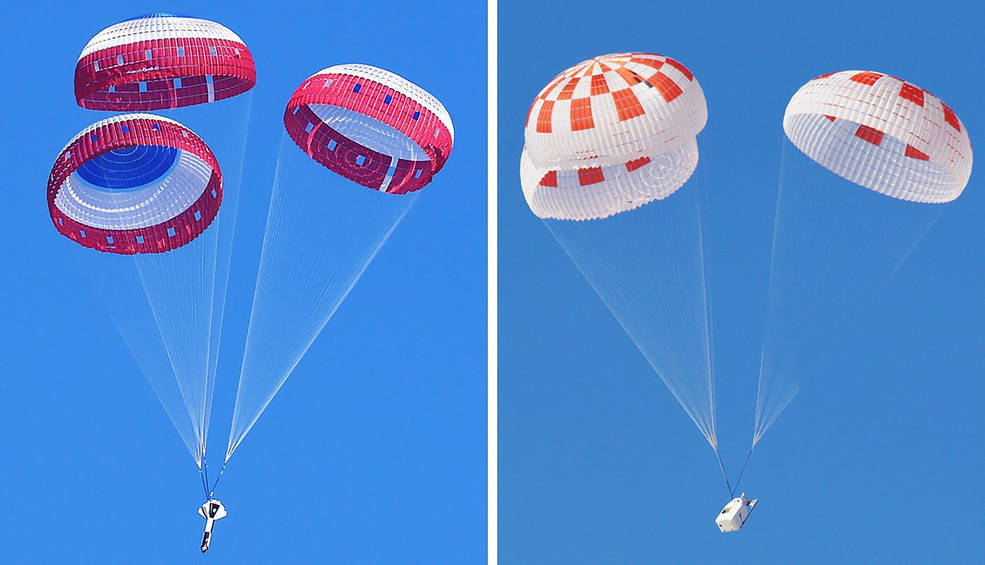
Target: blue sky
{"points": [[368, 454], [878, 460]]}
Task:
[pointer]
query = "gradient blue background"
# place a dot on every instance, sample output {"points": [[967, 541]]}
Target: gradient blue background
{"points": [[374, 451], [881, 458]]}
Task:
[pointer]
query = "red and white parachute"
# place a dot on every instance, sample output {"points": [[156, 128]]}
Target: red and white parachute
{"points": [[611, 134], [371, 126], [608, 142], [134, 183], [834, 244], [882, 133], [162, 60]]}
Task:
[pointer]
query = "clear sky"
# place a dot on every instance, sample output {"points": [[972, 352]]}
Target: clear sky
{"points": [[881, 458], [374, 451]]}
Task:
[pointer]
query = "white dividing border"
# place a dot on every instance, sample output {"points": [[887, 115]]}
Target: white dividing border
{"points": [[492, 442], [158, 27]]}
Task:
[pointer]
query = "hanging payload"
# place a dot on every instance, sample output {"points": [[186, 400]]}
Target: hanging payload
{"points": [[735, 513], [212, 510], [162, 60], [134, 183]]}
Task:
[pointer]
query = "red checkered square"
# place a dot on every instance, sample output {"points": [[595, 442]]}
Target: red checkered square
{"points": [[627, 105], [590, 176], [912, 93], [871, 135], [950, 117], [866, 77], [684, 70], [581, 114], [599, 85], [544, 116], [637, 163], [569, 89], [665, 85], [912, 151]]}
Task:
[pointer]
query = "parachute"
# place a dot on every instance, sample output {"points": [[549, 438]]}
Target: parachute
{"points": [[136, 199], [141, 184], [135, 183], [881, 133], [611, 144], [611, 134], [159, 61], [835, 243], [370, 127]]}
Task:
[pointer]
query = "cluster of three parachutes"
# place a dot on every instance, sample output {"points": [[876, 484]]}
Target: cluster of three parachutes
{"points": [[147, 187], [611, 143]]}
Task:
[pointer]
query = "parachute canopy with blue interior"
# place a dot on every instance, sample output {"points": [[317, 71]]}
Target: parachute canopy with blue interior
{"points": [[134, 183], [371, 126]]}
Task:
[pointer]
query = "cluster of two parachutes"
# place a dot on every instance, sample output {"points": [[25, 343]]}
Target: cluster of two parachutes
{"points": [[610, 165], [160, 198]]}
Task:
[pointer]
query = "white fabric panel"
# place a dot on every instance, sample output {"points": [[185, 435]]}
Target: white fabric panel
{"points": [[157, 27], [882, 168], [398, 83], [621, 191], [583, 89], [147, 206]]}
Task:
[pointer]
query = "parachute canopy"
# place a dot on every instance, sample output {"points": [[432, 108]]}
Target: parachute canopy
{"points": [[882, 133], [162, 61], [605, 140], [611, 134], [134, 183], [371, 126]]}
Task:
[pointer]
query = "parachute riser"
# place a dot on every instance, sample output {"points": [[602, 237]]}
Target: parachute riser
{"points": [[721, 466]]}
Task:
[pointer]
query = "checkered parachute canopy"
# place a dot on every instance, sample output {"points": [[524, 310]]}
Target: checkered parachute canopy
{"points": [[882, 133], [611, 134]]}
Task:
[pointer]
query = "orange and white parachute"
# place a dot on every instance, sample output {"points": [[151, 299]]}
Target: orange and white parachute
{"points": [[835, 244], [611, 134], [608, 136], [882, 133]]}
